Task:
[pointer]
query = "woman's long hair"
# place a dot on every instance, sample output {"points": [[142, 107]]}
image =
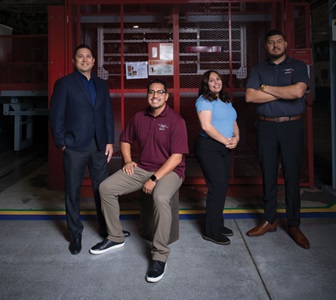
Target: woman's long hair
{"points": [[205, 91]]}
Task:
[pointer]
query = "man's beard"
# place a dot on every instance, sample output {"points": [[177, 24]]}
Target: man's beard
{"points": [[277, 56]]}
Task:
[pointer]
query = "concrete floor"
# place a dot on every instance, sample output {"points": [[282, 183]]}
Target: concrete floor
{"points": [[36, 263]]}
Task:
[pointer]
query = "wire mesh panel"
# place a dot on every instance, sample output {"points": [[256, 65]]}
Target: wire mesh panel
{"points": [[130, 37]]}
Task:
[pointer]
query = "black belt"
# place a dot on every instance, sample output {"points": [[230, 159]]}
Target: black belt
{"points": [[280, 119]]}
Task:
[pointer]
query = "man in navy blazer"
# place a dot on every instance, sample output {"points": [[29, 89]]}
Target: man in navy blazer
{"points": [[82, 125]]}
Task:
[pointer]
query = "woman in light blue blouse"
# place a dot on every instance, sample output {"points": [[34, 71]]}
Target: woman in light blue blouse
{"points": [[218, 136]]}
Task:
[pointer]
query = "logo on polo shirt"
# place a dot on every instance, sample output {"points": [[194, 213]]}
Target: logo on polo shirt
{"points": [[288, 70], [163, 127]]}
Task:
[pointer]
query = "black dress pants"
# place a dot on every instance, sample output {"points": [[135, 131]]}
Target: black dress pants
{"points": [[215, 160], [75, 164], [281, 142]]}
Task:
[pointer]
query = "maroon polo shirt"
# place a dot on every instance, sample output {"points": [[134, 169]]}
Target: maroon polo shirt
{"points": [[158, 138]]}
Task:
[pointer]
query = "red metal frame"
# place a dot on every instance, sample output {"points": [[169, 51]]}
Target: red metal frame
{"points": [[57, 68]]}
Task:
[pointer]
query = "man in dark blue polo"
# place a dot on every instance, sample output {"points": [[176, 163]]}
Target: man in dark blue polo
{"points": [[278, 86]]}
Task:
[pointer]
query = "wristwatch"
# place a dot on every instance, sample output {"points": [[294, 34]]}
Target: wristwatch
{"points": [[262, 87], [153, 178]]}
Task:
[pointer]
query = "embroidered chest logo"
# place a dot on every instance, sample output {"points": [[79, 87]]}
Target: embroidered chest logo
{"points": [[288, 70], [162, 127]]}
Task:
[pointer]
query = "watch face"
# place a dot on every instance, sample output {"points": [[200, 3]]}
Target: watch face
{"points": [[153, 178]]}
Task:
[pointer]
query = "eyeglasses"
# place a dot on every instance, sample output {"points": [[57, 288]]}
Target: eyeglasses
{"points": [[152, 92]]}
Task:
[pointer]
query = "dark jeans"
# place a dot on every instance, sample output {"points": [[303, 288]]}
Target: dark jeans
{"points": [[281, 141], [215, 160], [75, 164]]}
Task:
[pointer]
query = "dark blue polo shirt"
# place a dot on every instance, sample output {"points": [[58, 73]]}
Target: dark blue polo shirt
{"points": [[288, 72]]}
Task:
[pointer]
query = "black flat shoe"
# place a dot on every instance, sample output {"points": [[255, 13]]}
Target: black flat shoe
{"points": [[220, 240]]}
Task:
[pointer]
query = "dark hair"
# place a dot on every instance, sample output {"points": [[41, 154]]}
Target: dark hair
{"points": [[205, 91], [157, 81], [81, 46], [274, 32]]}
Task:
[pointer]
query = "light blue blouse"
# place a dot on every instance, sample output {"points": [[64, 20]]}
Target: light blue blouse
{"points": [[223, 115]]}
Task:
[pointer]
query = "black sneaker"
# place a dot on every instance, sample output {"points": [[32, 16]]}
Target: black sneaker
{"points": [[105, 246], [221, 240], [156, 271], [226, 231]]}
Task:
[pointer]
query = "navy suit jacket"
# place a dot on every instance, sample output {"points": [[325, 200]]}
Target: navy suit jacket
{"points": [[74, 121]]}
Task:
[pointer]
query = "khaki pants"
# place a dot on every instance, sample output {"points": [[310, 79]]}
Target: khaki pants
{"points": [[120, 184]]}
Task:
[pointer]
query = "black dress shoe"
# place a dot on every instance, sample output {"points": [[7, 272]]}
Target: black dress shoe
{"points": [[75, 245]]}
